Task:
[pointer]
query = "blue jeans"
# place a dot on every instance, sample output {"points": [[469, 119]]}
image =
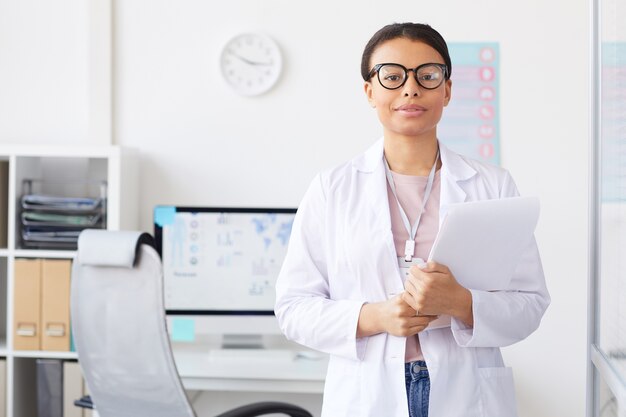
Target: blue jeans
{"points": [[417, 388]]}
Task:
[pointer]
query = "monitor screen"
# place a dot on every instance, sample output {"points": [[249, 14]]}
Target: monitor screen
{"points": [[221, 261]]}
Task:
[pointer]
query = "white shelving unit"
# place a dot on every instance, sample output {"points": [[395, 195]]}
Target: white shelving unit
{"points": [[115, 165]]}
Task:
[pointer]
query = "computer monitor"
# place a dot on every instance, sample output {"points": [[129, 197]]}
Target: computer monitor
{"points": [[221, 265]]}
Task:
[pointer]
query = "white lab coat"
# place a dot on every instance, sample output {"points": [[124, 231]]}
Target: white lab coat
{"points": [[341, 254]]}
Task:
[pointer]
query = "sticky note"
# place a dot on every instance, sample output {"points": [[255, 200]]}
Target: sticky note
{"points": [[183, 330], [164, 215]]}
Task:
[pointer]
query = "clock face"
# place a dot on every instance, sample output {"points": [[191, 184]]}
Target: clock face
{"points": [[251, 63]]}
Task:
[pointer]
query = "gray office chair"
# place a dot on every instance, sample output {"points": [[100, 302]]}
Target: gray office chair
{"points": [[119, 328]]}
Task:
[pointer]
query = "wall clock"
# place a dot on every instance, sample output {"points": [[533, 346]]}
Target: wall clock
{"points": [[251, 63]]}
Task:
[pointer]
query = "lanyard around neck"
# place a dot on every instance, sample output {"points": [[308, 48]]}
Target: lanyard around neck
{"points": [[409, 247]]}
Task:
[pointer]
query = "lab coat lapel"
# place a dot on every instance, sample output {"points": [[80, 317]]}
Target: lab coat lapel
{"points": [[371, 174], [454, 172]]}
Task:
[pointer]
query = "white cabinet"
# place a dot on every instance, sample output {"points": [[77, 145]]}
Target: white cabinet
{"points": [[68, 172]]}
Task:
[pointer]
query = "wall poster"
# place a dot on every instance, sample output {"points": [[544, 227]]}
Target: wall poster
{"points": [[471, 123]]}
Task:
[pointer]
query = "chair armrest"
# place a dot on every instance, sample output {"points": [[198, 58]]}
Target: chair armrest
{"points": [[263, 408], [84, 402]]}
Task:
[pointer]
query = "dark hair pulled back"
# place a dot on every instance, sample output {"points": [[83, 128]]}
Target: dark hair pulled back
{"points": [[413, 31]]}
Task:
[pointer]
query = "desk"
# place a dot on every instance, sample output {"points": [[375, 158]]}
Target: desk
{"points": [[202, 371]]}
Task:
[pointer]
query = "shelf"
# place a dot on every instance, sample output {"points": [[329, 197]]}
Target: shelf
{"points": [[69, 171], [44, 253], [74, 151], [44, 354]]}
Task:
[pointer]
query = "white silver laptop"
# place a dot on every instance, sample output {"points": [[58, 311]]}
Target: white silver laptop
{"points": [[482, 242]]}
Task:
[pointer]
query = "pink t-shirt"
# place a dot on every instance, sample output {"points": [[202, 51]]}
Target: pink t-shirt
{"points": [[410, 191]]}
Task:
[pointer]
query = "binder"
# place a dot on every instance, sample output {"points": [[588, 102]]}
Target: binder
{"points": [[4, 202], [3, 388], [73, 388], [27, 305], [55, 304], [49, 388]]}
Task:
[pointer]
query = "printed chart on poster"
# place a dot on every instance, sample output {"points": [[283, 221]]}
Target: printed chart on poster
{"points": [[470, 124], [223, 261]]}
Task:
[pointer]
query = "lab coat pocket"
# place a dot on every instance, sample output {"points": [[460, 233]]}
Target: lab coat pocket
{"points": [[342, 388], [498, 392]]}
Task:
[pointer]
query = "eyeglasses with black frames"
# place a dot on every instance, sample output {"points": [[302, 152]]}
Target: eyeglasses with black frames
{"points": [[392, 76]]}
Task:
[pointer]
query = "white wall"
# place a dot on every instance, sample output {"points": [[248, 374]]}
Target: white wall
{"points": [[203, 145], [43, 71]]}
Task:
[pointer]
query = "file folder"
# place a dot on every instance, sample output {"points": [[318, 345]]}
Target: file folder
{"points": [[3, 387], [4, 202], [59, 220], [72, 389], [27, 305], [55, 304], [56, 203], [49, 388]]}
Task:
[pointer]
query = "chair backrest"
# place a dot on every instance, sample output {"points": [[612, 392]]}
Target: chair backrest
{"points": [[119, 328]]}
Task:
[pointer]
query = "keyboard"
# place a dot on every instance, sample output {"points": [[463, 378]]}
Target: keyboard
{"points": [[264, 355]]}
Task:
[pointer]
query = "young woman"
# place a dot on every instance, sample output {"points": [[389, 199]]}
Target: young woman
{"points": [[400, 347]]}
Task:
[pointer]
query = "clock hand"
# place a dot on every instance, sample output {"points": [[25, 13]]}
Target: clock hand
{"points": [[249, 62]]}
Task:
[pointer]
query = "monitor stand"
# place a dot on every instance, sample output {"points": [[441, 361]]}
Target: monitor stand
{"points": [[242, 341], [249, 347]]}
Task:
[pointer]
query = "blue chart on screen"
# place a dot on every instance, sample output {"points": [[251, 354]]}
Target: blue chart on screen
{"points": [[224, 260]]}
